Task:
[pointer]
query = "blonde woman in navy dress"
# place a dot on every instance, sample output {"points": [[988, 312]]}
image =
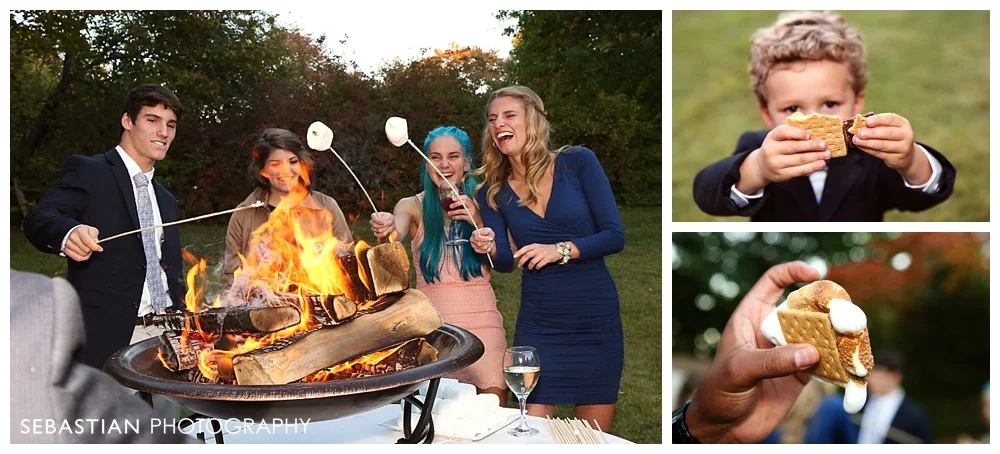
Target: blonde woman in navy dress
{"points": [[559, 210]]}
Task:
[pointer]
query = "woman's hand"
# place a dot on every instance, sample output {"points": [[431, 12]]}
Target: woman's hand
{"points": [[482, 241], [382, 224], [534, 256], [458, 213]]}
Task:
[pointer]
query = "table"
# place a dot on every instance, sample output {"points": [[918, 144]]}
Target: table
{"points": [[360, 428]]}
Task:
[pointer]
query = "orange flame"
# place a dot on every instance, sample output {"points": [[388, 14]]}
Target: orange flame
{"points": [[292, 255], [371, 358]]}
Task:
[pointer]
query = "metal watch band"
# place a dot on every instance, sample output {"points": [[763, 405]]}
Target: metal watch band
{"points": [[681, 435]]}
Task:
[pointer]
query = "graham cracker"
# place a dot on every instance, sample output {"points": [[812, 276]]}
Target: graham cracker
{"points": [[814, 328], [828, 128], [859, 122]]}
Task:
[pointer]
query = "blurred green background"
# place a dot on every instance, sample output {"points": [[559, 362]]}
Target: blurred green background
{"points": [[925, 294], [931, 67]]}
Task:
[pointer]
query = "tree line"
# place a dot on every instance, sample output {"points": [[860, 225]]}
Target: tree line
{"points": [[240, 72]]}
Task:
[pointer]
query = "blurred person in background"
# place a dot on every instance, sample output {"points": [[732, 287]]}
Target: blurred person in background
{"points": [[793, 429], [888, 416]]}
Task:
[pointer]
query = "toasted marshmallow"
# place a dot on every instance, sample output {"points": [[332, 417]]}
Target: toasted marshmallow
{"points": [[846, 317], [771, 326], [858, 367]]}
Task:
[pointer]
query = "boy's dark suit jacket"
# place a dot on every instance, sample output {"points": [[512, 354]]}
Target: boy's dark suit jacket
{"points": [[97, 191], [859, 187]]}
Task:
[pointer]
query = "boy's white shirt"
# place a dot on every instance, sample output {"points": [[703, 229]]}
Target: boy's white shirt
{"points": [[818, 181]]}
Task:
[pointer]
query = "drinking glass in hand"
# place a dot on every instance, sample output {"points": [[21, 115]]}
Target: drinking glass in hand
{"points": [[448, 196], [520, 369]]}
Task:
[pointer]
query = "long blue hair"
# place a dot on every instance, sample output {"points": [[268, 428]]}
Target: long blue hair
{"points": [[433, 216]]}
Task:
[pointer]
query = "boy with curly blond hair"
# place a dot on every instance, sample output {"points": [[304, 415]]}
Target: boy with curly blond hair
{"points": [[814, 62]]}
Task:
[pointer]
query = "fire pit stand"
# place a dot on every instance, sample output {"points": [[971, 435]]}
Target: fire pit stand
{"points": [[424, 431]]}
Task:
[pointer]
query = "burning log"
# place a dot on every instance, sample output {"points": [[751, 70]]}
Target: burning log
{"points": [[294, 358], [233, 319], [412, 353], [388, 267], [181, 354], [357, 290], [331, 309]]}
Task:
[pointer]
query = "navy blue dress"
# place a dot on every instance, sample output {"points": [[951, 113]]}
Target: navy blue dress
{"points": [[569, 312]]}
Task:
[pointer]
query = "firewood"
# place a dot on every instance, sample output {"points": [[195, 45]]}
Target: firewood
{"points": [[296, 357], [356, 290], [233, 319], [389, 268], [180, 354], [331, 309]]}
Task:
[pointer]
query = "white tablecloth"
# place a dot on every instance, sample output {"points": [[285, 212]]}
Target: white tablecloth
{"points": [[360, 428]]}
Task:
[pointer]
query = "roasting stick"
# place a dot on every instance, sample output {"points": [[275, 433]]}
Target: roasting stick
{"points": [[590, 432], [320, 138], [604, 439], [252, 205], [395, 130], [555, 429]]}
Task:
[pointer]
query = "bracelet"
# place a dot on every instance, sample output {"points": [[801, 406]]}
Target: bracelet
{"points": [[680, 428], [565, 249]]}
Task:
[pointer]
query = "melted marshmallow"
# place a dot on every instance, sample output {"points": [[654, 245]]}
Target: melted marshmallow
{"points": [[846, 317], [771, 326]]}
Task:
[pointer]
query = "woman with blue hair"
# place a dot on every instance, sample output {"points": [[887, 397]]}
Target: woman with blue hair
{"points": [[451, 275]]}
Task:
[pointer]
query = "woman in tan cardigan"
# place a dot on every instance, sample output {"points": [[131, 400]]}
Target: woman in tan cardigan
{"points": [[280, 167]]}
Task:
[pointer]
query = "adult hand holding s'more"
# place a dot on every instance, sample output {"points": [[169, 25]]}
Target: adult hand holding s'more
{"points": [[749, 387]]}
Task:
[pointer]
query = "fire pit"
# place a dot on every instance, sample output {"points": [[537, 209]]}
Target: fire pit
{"points": [[137, 367]]}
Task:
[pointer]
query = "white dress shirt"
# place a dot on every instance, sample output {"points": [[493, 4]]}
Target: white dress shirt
{"points": [[145, 304], [878, 415], [818, 181]]}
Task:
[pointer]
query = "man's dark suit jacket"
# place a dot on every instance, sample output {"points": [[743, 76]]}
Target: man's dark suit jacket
{"points": [[831, 424], [910, 425], [859, 187], [97, 191]]}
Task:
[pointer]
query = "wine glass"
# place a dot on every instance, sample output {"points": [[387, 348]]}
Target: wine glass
{"points": [[520, 369], [448, 196]]}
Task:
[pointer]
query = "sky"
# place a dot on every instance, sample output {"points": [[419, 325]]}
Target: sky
{"points": [[379, 35]]}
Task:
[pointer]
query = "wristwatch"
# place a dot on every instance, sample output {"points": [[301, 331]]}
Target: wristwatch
{"points": [[681, 435], [565, 249]]}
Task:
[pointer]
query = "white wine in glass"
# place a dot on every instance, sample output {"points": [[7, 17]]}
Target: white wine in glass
{"points": [[520, 369]]}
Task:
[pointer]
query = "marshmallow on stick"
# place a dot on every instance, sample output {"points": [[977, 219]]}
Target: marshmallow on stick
{"points": [[397, 132], [821, 314], [320, 138]]}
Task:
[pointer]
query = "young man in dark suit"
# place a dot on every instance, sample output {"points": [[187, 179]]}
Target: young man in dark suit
{"points": [[123, 282], [813, 62]]}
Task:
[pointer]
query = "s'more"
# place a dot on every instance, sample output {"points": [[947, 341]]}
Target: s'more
{"points": [[837, 133], [821, 314]]}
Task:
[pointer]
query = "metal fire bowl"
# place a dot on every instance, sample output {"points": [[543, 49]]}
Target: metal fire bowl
{"points": [[138, 368]]}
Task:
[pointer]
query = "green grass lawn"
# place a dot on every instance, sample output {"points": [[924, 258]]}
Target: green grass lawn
{"points": [[637, 273], [931, 67]]}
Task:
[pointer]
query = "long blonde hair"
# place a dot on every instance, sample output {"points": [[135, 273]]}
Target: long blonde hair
{"points": [[537, 153]]}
